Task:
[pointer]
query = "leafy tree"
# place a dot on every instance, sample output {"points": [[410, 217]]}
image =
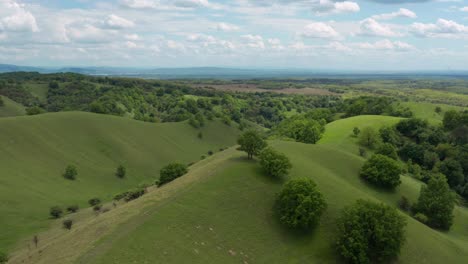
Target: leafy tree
{"points": [[94, 201], [300, 204], [70, 172], [368, 137], [251, 142], [438, 109], [412, 151], [370, 233], [73, 208], [67, 224], [411, 127], [430, 159], [451, 119], [275, 164], [388, 150], [34, 110], [121, 171], [56, 212], [404, 204], [356, 131], [436, 201], [453, 170], [170, 172], [389, 134], [382, 171]]}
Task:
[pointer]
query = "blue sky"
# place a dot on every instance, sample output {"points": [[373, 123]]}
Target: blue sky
{"points": [[312, 34]]}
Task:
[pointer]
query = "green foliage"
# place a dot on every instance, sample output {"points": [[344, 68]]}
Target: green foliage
{"points": [[1, 104], [356, 131], [70, 172], [382, 171], [34, 110], [56, 212], [412, 151], [73, 208], [453, 119], [274, 163], [67, 224], [404, 204], [390, 135], [302, 129], [134, 194], [388, 150], [370, 233], [94, 201], [421, 218], [368, 105], [170, 172], [121, 171], [453, 171], [251, 142], [369, 137], [97, 207], [436, 201], [3, 258], [300, 204]]}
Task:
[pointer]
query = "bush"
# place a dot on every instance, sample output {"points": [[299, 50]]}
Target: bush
{"points": [[382, 171], [121, 171], [275, 164], [356, 131], [94, 201], [72, 208], [97, 207], [3, 256], [120, 196], [210, 152], [70, 172], [362, 152], [404, 204], [251, 142], [368, 137], [171, 172], [56, 212], [300, 204], [437, 202], [453, 170], [200, 135], [134, 194], [67, 224], [34, 110], [370, 232], [388, 150], [421, 218]]}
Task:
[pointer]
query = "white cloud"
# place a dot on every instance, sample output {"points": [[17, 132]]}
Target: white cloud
{"points": [[442, 28], [254, 41], [89, 34], [338, 46], [371, 27], [386, 45], [139, 4], [116, 22], [319, 30], [464, 9], [226, 27], [402, 12], [16, 17]]}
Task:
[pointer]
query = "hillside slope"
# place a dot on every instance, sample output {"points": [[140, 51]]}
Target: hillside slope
{"points": [[36, 149], [222, 212], [11, 108]]}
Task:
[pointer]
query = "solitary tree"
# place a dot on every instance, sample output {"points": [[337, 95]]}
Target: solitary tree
{"points": [[368, 137], [274, 163], [300, 204], [382, 171], [70, 172], [436, 202], [370, 233], [121, 171], [251, 142]]}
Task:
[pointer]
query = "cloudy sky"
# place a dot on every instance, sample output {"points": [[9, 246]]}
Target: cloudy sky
{"points": [[313, 34]]}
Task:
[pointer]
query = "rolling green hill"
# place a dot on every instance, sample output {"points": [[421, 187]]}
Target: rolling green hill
{"points": [[11, 108], [222, 212], [36, 149]]}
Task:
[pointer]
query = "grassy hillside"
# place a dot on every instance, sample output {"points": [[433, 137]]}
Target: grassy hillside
{"points": [[221, 212], [11, 108], [427, 110], [36, 149]]}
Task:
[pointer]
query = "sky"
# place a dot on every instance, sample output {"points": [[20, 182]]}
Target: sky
{"points": [[304, 34]]}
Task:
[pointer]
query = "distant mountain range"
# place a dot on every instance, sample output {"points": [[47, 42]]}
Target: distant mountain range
{"points": [[228, 73]]}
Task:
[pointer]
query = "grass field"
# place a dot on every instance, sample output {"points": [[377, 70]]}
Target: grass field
{"points": [[427, 110], [11, 108], [221, 212], [36, 149]]}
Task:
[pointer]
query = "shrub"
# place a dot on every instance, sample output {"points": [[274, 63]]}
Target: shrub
{"points": [[356, 131], [370, 232], [120, 196], [437, 202], [70, 172], [121, 172], [404, 204], [388, 150], [3, 256], [34, 110], [421, 218], [56, 211], [275, 164], [67, 224], [382, 171], [453, 170], [200, 135], [72, 208], [134, 194], [368, 137], [171, 172], [251, 142], [202, 157], [362, 152], [97, 207], [210, 152], [94, 201], [300, 204]]}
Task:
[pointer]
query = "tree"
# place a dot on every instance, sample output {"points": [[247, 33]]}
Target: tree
{"points": [[67, 224], [437, 202], [275, 164], [121, 172], [370, 232], [453, 171], [412, 151], [356, 131], [438, 109], [368, 137], [300, 204], [56, 212], [251, 142], [382, 171], [451, 119], [94, 201], [3, 258], [72, 208], [388, 150], [170, 172], [389, 134], [70, 172]]}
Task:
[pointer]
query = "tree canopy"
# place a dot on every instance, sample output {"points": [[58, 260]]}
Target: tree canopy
{"points": [[251, 142], [274, 163], [382, 171]]}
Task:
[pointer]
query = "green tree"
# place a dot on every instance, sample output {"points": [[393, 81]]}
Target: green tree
{"points": [[56, 212], [94, 201], [275, 164], [453, 170], [368, 137], [67, 224], [356, 131], [382, 171], [251, 142], [171, 171], [34, 110], [451, 119], [300, 204], [70, 172], [121, 171], [388, 150], [436, 201], [389, 134], [370, 233]]}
